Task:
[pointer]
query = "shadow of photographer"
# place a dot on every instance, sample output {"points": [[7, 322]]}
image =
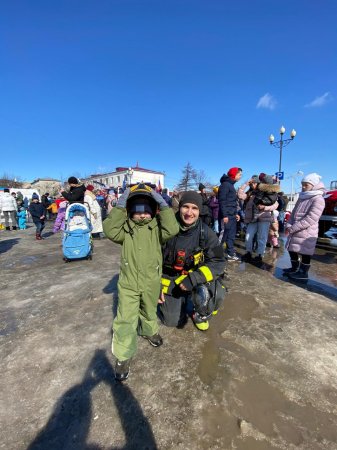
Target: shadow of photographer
{"points": [[69, 425]]}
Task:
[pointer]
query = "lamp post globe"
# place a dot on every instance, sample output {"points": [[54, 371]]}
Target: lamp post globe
{"points": [[281, 143]]}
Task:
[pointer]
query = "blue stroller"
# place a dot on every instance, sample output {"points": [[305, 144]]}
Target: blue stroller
{"points": [[77, 233]]}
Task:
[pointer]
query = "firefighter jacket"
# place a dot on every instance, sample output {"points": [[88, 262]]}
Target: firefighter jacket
{"points": [[193, 257], [141, 258]]}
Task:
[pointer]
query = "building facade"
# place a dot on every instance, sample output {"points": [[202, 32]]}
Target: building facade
{"points": [[124, 176], [43, 185]]}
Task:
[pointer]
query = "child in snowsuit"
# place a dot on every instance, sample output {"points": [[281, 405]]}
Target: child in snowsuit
{"points": [[22, 218], [61, 215], [274, 230], [38, 213], [135, 225], [264, 194]]}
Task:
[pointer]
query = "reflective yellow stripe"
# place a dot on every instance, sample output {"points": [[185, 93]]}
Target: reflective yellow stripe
{"points": [[198, 258], [206, 272], [180, 279], [165, 289], [165, 282]]}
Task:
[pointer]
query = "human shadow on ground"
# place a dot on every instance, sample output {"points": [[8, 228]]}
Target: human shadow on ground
{"points": [[48, 234], [111, 288], [69, 425], [5, 246]]}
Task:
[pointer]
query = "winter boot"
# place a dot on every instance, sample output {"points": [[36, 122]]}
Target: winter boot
{"points": [[38, 237], [258, 259], [247, 257], [200, 322], [156, 340], [301, 274], [295, 264], [8, 228], [122, 369], [13, 228]]}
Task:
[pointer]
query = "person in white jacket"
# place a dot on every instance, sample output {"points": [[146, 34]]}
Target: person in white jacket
{"points": [[8, 207], [95, 212]]}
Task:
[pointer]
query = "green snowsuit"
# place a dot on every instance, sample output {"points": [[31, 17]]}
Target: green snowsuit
{"points": [[140, 274]]}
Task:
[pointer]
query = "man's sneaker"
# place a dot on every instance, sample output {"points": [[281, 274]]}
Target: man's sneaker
{"points": [[156, 340], [122, 370], [233, 257]]}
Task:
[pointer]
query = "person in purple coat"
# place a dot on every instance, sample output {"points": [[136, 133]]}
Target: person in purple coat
{"points": [[302, 227], [61, 217], [214, 207]]}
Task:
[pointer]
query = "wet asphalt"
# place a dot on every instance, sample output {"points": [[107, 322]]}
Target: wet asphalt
{"points": [[263, 376]]}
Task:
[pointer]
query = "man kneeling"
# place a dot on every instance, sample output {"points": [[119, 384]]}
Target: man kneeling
{"points": [[193, 268]]}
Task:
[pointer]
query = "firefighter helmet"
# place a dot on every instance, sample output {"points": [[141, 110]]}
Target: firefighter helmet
{"points": [[140, 200]]}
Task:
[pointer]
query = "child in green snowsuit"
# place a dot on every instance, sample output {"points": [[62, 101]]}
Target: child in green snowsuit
{"points": [[135, 224]]}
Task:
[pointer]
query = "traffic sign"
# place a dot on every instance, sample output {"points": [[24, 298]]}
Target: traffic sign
{"points": [[279, 175]]}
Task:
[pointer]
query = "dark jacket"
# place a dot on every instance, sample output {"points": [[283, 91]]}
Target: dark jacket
{"points": [[44, 200], [75, 194], [188, 242], [36, 211], [227, 197], [266, 194], [214, 207]]}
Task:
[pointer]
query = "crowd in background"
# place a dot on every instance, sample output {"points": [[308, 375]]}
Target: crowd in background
{"points": [[257, 211]]}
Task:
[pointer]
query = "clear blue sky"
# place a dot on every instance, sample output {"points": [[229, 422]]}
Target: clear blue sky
{"points": [[90, 85]]}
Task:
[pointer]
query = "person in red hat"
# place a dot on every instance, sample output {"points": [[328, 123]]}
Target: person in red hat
{"points": [[228, 210]]}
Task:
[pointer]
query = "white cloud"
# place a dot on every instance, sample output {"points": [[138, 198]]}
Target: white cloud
{"points": [[320, 101], [267, 101]]}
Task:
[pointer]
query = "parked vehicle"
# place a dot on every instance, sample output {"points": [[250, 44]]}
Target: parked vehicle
{"points": [[328, 220]]}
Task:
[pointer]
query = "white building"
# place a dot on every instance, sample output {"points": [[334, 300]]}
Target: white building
{"points": [[125, 176]]}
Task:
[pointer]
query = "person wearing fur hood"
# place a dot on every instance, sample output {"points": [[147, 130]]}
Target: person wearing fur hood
{"points": [[258, 215], [95, 211], [76, 191], [302, 227]]}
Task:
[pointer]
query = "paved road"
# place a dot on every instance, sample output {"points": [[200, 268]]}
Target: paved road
{"points": [[263, 377]]}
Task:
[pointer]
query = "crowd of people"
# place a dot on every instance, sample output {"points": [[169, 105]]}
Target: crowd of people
{"points": [[175, 248]]}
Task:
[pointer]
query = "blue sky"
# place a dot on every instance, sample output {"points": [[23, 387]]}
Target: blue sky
{"points": [[87, 86]]}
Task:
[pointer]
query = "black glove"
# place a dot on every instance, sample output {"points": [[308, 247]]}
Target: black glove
{"points": [[159, 199], [123, 198]]}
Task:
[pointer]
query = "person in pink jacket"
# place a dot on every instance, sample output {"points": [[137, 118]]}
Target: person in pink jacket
{"points": [[302, 227]]}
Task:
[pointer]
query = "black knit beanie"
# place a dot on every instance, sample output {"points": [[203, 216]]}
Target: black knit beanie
{"points": [[191, 197], [72, 180]]}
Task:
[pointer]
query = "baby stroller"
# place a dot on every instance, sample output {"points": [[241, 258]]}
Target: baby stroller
{"points": [[77, 233]]}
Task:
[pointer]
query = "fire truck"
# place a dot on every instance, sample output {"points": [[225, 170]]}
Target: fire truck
{"points": [[328, 220]]}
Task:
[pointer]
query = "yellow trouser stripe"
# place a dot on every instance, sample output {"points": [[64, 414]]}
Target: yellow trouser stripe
{"points": [[180, 279], [206, 272]]}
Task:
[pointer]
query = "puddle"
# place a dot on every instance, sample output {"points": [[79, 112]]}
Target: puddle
{"points": [[8, 323], [322, 274], [239, 306], [28, 260], [236, 306]]}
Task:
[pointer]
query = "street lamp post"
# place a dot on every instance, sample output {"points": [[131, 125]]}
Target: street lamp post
{"points": [[281, 143], [130, 173], [293, 176]]}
